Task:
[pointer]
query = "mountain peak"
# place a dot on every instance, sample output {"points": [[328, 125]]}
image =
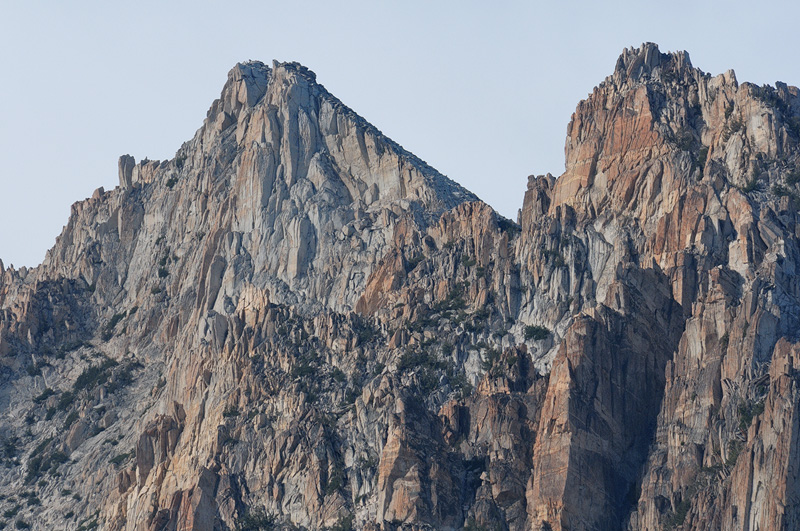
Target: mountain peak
{"points": [[301, 171], [657, 124], [637, 64], [247, 82]]}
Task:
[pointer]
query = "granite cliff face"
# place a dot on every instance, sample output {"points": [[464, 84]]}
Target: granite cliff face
{"points": [[295, 323]]}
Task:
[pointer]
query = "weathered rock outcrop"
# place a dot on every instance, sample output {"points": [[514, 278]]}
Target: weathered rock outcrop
{"points": [[295, 322]]}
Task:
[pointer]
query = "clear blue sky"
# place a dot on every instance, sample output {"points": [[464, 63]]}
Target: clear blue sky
{"points": [[482, 91]]}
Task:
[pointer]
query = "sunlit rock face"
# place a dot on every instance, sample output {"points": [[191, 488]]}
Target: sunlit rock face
{"points": [[296, 322]]}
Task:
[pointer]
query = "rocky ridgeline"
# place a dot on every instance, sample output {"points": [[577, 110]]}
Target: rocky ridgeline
{"points": [[295, 323]]}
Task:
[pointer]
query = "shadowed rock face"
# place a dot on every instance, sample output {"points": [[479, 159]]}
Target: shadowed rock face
{"points": [[295, 322]]}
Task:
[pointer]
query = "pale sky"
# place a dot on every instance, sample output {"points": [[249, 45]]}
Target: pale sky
{"points": [[482, 91]]}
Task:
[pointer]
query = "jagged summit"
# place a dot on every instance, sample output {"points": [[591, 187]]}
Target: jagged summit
{"points": [[657, 107], [635, 64], [247, 83], [263, 105], [251, 79], [297, 173]]}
